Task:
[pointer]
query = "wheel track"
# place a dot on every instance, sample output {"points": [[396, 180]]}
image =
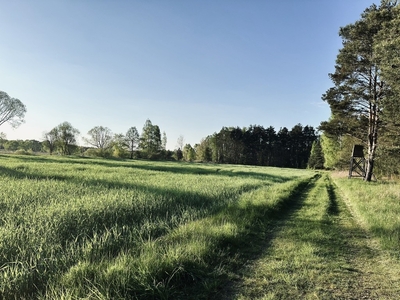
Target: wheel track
{"points": [[343, 264]]}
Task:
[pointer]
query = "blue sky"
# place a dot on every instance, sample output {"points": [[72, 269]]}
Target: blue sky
{"points": [[191, 67]]}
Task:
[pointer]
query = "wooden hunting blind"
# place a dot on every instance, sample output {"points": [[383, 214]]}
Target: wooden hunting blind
{"points": [[357, 162]]}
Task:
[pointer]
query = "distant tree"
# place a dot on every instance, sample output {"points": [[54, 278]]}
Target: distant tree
{"points": [[150, 140], [50, 140], [66, 137], [164, 141], [3, 139], [12, 145], [282, 148], [100, 137], [270, 142], [180, 142], [237, 136], [301, 141], [188, 153], [132, 140], [178, 154], [203, 150], [316, 160], [12, 110], [32, 145], [337, 150], [119, 146]]}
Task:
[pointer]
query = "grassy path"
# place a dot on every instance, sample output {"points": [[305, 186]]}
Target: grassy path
{"points": [[320, 252]]}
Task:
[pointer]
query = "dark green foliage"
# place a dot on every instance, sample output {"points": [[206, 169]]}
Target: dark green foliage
{"points": [[65, 138], [150, 140], [357, 99], [178, 154], [316, 160], [261, 146]]}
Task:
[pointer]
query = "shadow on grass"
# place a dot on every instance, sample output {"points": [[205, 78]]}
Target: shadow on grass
{"points": [[333, 208], [171, 167], [247, 245], [335, 244], [204, 281], [22, 174]]}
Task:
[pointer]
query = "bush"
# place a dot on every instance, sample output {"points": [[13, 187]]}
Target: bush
{"points": [[98, 153], [23, 152]]}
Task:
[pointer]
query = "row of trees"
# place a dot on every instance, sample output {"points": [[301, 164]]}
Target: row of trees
{"points": [[365, 98], [102, 142], [256, 145], [63, 138]]}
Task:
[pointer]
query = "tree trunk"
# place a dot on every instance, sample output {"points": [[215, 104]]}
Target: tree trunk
{"points": [[370, 168], [372, 141]]}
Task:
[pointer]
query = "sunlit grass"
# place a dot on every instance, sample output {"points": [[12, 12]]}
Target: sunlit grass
{"points": [[377, 207], [319, 252], [87, 228]]}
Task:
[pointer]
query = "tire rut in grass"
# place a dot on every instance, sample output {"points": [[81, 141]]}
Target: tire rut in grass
{"points": [[263, 241], [319, 252], [375, 274]]}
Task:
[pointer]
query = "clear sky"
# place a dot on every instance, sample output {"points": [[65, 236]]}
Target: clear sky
{"points": [[191, 67]]}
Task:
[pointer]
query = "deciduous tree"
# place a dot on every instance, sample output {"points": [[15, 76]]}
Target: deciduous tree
{"points": [[66, 137], [188, 153], [12, 110], [150, 140], [132, 140], [100, 137]]}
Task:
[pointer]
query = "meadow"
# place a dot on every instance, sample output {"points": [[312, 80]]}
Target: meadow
{"points": [[75, 227], [84, 228]]}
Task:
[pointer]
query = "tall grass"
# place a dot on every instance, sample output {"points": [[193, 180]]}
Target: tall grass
{"points": [[377, 207], [89, 228], [320, 252]]}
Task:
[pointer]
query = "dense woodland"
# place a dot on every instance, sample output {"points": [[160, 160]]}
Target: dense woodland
{"points": [[257, 145]]}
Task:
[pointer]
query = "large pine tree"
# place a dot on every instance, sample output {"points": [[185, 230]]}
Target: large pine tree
{"points": [[357, 98]]}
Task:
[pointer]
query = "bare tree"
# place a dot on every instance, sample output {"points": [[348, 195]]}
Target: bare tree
{"points": [[180, 142]]}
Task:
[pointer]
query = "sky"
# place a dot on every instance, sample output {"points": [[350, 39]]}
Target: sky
{"points": [[190, 67]]}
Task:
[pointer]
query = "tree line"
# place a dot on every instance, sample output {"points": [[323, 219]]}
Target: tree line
{"points": [[101, 142], [256, 145]]}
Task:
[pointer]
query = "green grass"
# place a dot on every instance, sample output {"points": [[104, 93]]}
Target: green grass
{"points": [[320, 252], [377, 208], [79, 228], [87, 228]]}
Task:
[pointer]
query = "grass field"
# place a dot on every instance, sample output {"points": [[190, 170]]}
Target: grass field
{"points": [[79, 228]]}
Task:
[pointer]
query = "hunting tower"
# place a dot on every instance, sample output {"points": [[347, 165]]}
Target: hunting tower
{"points": [[357, 162]]}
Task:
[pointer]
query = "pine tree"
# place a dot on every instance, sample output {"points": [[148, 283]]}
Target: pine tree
{"points": [[316, 160], [357, 99]]}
